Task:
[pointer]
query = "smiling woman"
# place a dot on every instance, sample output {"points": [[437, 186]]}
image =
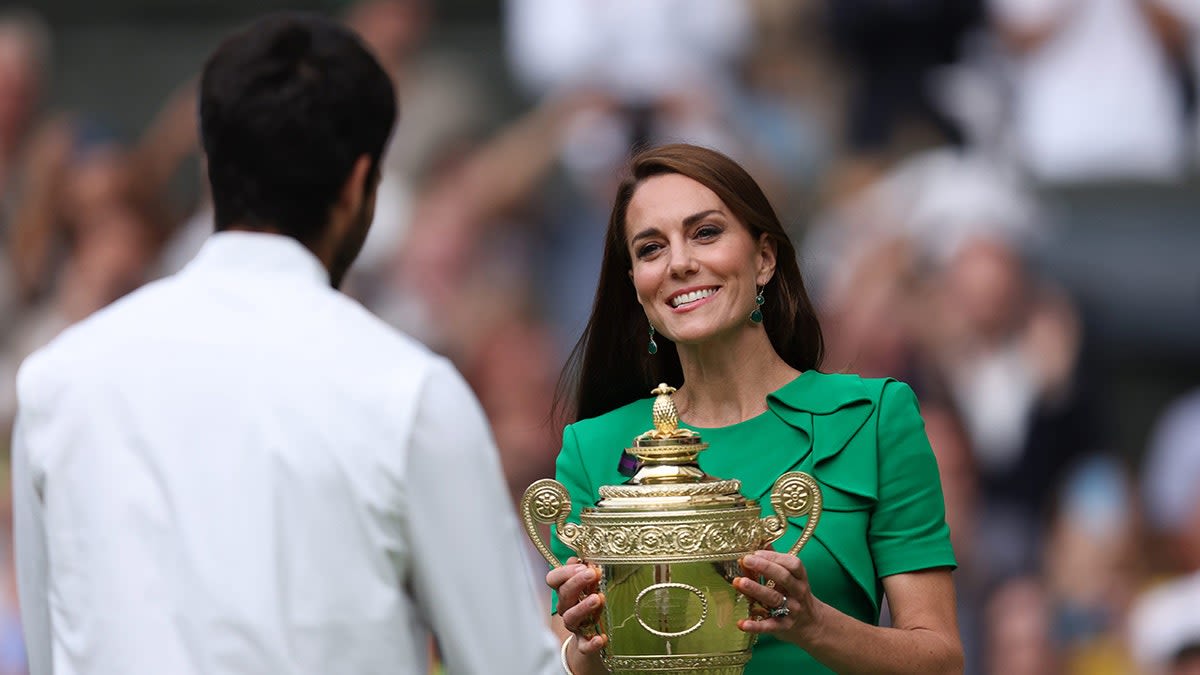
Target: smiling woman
{"points": [[708, 195], [696, 257], [696, 268]]}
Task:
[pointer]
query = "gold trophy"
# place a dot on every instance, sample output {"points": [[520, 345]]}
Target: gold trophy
{"points": [[667, 543]]}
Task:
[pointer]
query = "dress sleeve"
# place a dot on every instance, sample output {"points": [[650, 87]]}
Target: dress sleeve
{"points": [[908, 529], [569, 470]]}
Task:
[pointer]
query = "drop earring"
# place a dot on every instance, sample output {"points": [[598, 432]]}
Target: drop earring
{"points": [[756, 315], [652, 348]]}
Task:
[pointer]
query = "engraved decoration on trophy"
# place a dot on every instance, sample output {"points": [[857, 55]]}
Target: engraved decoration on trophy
{"points": [[667, 543]]}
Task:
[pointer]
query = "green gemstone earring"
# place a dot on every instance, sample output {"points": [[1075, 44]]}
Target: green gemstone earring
{"points": [[756, 315], [652, 347]]}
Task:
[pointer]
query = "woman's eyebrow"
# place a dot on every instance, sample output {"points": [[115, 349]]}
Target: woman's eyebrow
{"points": [[696, 217], [687, 222]]}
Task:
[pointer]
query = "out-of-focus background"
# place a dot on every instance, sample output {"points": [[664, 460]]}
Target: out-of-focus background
{"points": [[997, 201]]}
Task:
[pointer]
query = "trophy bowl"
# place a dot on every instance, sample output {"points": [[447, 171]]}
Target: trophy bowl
{"points": [[667, 543]]}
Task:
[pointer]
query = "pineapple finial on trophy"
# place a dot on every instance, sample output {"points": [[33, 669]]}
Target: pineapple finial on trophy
{"points": [[665, 416]]}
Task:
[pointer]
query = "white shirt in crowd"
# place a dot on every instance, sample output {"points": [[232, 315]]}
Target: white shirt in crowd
{"points": [[239, 470], [1097, 100], [1188, 12]]}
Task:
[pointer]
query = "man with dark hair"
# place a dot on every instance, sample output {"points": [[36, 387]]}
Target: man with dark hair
{"points": [[237, 469]]}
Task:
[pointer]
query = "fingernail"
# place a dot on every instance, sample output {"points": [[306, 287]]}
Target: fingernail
{"points": [[593, 602]]}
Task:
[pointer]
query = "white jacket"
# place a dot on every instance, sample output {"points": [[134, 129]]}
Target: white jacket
{"points": [[239, 470]]}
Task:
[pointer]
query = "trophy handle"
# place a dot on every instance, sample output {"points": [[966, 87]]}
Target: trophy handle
{"points": [[547, 501], [795, 493]]}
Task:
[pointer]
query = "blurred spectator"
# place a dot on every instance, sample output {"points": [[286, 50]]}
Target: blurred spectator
{"points": [[514, 378], [785, 106], [1165, 628], [893, 48], [936, 200], [1009, 346], [869, 317], [1180, 21], [24, 154], [474, 207], [922, 275], [1170, 481], [638, 50], [1019, 631], [24, 57], [442, 105], [1094, 568], [960, 488], [100, 239], [164, 146], [668, 65], [1095, 95], [12, 641]]}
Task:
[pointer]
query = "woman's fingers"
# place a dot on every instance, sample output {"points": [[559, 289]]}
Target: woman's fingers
{"points": [[582, 616], [579, 603], [778, 568], [556, 577], [784, 594], [761, 625], [767, 597], [591, 645], [583, 581]]}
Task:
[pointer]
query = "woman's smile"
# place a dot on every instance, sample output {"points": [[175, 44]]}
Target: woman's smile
{"points": [[689, 299]]}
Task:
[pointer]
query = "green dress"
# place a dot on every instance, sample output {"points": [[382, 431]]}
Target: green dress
{"points": [[864, 442]]}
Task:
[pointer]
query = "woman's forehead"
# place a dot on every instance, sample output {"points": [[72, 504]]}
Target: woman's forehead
{"points": [[669, 199]]}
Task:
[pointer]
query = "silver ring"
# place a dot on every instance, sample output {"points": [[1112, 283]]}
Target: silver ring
{"points": [[782, 610]]}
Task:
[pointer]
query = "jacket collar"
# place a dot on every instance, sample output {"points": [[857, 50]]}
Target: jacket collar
{"points": [[258, 254], [820, 393], [827, 410]]}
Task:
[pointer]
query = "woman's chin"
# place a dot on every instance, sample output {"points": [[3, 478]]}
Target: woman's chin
{"points": [[698, 338]]}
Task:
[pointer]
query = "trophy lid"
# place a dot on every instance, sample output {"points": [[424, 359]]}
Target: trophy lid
{"points": [[669, 476]]}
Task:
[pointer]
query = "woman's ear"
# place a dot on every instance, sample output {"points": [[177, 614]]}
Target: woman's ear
{"points": [[767, 252]]}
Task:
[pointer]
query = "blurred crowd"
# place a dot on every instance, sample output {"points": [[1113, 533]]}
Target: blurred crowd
{"points": [[905, 143]]}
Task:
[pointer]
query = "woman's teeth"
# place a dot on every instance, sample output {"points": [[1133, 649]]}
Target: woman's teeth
{"points": [[691, 297]]}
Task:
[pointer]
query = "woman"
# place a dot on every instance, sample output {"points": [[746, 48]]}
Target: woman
{"points": [[700, 289]]}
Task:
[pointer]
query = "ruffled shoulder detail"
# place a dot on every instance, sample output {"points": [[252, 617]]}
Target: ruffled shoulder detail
{"points": [[828, 411], [836, 413]]}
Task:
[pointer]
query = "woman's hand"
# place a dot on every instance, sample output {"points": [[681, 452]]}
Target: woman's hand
{"points": [[792, 610], [579, 602]]}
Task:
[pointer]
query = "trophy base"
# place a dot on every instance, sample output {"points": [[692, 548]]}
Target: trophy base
{"points": [[682, 664]]}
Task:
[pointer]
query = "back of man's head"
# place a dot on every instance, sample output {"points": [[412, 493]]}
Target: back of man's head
{"points": [[287, 105]]}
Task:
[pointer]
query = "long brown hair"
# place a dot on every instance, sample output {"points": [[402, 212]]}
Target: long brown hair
{"points": [[609, 366]]}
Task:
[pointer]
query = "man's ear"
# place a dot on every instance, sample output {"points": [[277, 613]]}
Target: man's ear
{"points": [[767, 252], [354, 190]]}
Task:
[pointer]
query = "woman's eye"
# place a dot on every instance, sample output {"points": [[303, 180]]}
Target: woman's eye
{"points": [[647, 249], [707, 232]]}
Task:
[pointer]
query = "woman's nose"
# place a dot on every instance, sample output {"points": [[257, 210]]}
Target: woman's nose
{"points": [[682, 261]]}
